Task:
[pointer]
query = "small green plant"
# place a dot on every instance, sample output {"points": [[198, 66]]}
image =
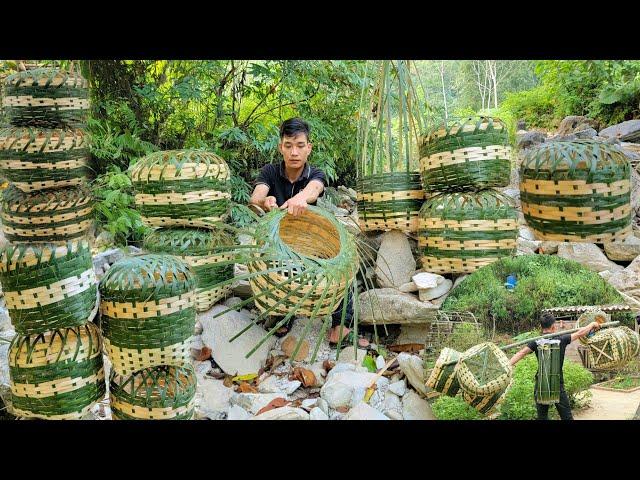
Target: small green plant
{"points": [[454, 408], [464, 336]]}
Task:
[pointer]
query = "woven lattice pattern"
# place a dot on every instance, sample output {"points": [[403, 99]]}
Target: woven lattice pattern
{"points": [[611, 348], [483, 370], [549, 372], [577, 191], [463, 231], [593, 315], [207, 252], [443, 376], [148, 312], [47, 287], [57, 374], [469, 154], [389, 201], [38, 159], [313, 247], [485, 404], [46, 97], [158, 393], [47, 215], [187, 188]]}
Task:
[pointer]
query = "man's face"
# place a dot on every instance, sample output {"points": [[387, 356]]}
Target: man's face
{"points": [[295, 150]]}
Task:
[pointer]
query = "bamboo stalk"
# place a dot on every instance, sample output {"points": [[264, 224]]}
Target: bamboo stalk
{"points": [[555, 334]]}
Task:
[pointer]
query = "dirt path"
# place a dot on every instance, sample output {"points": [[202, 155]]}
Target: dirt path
{"points": [[606, 405]]}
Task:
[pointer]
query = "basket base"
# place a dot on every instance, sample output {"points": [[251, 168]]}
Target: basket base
{"points": [[455, 265]]}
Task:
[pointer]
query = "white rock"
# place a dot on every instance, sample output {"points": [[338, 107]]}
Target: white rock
{"points": [[230, 356], [230, 302], [628, 281], [409, 287], [363, 411], [309, 403], [238, 413], [197, 329], [398, 307], [392, 403], [549, 247], [589, 255], [319, 372], [526, 233], [341, 367], [624, 251], [5, 321], [380, 362], [416, 408], [202, 368], [427, 280], [215, 397], [459, 280], [196, 342], [323, 405], [527, 245], [395, 263], [606, 274], [393, 415], [399, 387], [275, 384], [253, 402], [348, 354], [411, 366], [283, 413], [318, 414], [431, 293], [345, 388]]}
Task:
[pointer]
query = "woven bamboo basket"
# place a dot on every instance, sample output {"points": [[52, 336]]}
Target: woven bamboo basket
{"points": [[443, 377], [594, 315], [42, 158], [202, 250], [485, 404], [483, 370], [54, 216], [389, 201], [181, 188], [462, 231], [47, 287], [634, 341], [147, 306], [609, 349], [57, 375], [158, 393], [577, 192], [316, 249], [46, 97], [549, 372], [469, 154]]}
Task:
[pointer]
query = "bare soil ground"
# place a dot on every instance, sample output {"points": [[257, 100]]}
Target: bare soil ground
{"points": [[606, 405]]}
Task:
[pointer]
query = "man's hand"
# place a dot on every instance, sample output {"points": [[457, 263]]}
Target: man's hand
{"points": [[296, 205], [595, 326], [269, 203]]}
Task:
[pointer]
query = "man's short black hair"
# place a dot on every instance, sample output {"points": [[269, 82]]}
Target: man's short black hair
{"points": [[294, 126], [547, 320]]}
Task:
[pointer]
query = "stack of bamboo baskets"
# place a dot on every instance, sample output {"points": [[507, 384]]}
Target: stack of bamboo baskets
{"points": [[467, 224], [55, 360]]}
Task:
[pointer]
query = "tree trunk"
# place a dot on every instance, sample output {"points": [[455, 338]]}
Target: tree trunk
{"points": [[444, 93]]}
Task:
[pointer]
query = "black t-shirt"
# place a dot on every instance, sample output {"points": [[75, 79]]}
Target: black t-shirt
{"points": [[281, 187], [564, 341]]}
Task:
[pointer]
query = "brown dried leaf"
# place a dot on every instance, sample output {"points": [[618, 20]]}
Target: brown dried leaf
{"points": [[228, 381], [244, 387], [343, 409], [275, 403], [307, 377], [201, 354], [328, 365]]}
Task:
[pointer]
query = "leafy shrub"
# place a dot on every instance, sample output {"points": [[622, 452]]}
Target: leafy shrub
{"points": [[464, 336], [544, 281], [536, 107], [454, 408]]}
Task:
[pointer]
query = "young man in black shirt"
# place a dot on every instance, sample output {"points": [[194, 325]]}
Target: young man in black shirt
{"points": [[548, 324]]}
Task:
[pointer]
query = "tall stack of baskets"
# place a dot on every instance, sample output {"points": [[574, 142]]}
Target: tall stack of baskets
{"points": [[467, 224], [55, 360]]}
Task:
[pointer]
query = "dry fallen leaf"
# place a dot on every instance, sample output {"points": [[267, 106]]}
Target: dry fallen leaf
{"points": [[307, 377], [228, 381], [244, 387], [328, 365], [343, 409], [275, 403]]}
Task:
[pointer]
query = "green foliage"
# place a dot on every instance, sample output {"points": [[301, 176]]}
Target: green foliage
{"points": [[537, 107], [544, 281], [369, 363], [519, 402], [464, 336], [454, 408]]}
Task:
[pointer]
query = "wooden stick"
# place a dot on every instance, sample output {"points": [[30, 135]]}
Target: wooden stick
{"points": [[555, 334], [370, 389]]}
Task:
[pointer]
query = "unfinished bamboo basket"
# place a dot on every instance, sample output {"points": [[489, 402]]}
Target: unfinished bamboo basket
{"points": [[46, 97], [460, 232], [147, 306], [443, 376], [593, 315], [577, 191], [634, 341], [483, 370], [181, 188], [389, 201], [469, 154], [485, 404], [549, 372], [314, 250], [609, 349], [42, 158], [57, 375], [157, 393], [52, 216], [46, 286], [203, 250]]}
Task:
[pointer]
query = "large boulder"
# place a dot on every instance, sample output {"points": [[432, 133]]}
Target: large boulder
{"points": [[397, 307], [347, 388], [627, 281], [628, 131], [416, 408], [413, 369], [529, 139], [624, 251], [395, 263], [363, 411], [576, 123], [587, 254]]}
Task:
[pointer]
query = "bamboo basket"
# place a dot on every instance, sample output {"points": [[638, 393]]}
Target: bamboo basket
{"points": [[202, 250], [485, 404], [389, 201], [469, 154], [443, 376], [52, 216], [483, 370], [577, 192], [314, 250], [47, 287], [42, 158], [634, 342], [462, 231], [549, 372], [181, 188], [594, 315], [158, 393], [609, 349], [46, 97], [147, 306], [57, 375]]}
